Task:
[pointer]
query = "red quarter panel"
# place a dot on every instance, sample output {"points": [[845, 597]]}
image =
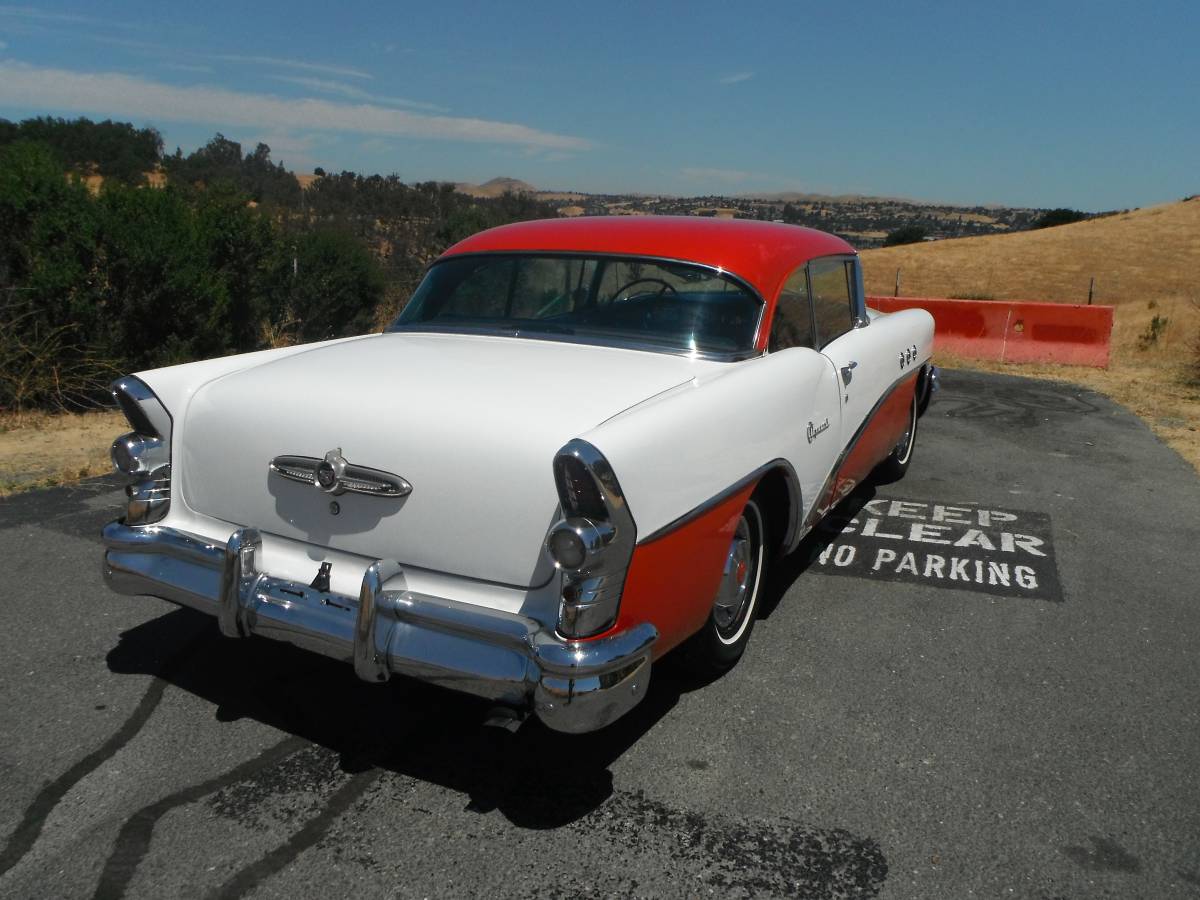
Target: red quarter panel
{"points": [[673, 579]]}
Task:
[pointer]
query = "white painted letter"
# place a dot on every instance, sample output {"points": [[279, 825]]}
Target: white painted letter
{"points": [[933, 565], [883, 556], [998, 570], [953, 514], [1026, 577], [923, 533], [871, 529], [841, 559], [975, 538], [908, 563], [1029, 543], [903, 509]]}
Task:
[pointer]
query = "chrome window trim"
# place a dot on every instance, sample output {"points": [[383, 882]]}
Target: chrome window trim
{"points": [[859, 300], [812, 316], [618, 343], [857, 310]]}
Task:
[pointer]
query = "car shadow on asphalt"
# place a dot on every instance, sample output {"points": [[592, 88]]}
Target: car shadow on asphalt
{"points": [[535, 777], [785, 571]]}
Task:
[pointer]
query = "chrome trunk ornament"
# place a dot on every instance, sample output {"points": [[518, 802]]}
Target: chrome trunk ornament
{"points": [[335, 475]]}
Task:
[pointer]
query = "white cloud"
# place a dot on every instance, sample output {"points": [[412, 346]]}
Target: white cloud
{"points": [[735, 78], [39, 15], [281, 62], [725, 176], [110, 93], [189, 67], [341, 89]]}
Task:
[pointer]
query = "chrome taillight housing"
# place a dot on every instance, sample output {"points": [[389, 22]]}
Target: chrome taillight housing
{"points": [[143, 454], [593, 544]]}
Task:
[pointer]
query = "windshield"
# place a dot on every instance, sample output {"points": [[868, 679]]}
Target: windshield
{"points": [[605, 299]]}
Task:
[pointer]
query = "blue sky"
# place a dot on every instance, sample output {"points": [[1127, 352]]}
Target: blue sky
{"points": [[1090, 105]]}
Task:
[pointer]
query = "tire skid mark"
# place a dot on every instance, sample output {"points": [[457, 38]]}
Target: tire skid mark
{"points": [[133, 840], [249, 877], [21, 841]]}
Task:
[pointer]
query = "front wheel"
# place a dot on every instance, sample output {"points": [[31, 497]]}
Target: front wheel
{"points": [[722, 641]]}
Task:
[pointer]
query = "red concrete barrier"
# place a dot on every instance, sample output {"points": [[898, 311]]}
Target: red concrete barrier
{"points": [[1015, 330]]}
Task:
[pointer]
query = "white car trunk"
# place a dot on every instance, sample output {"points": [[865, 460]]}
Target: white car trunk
{"points": [[472, 422]]}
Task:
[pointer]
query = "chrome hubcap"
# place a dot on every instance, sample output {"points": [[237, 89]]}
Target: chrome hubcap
{"points": [[736, 579]]}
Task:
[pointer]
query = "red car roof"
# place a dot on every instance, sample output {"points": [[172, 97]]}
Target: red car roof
{"points": [[762, 253]]}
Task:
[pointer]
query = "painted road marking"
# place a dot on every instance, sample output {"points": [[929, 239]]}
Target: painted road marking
{"points": [[1005, 552]]}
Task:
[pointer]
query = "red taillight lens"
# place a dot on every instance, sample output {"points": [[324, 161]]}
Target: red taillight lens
{"points": [[577, 490]]}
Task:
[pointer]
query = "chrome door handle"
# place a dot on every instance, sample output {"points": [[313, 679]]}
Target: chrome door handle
{"points": [[848, 372]]}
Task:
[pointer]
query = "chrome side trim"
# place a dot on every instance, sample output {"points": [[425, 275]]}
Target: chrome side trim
{"points": [[794, 502], [573, 686], [817, 513]]}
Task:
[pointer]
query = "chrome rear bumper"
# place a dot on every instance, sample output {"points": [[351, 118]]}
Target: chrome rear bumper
{"points": [[572, 686]]}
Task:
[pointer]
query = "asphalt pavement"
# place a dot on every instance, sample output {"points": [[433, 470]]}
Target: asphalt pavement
{"points": [[980, 681]]}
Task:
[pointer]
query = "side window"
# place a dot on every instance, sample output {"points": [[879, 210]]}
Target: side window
{"points": [[831, 297], [792, 325]]}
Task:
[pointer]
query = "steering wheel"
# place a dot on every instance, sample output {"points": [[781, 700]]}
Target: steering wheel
{"points": [[666, 286]]}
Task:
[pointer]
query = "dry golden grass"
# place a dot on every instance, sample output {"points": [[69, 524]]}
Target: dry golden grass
{"points": [[39, 450], [1147, 254], [1146, 264]]}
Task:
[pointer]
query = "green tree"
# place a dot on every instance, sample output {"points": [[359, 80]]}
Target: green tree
{"points": [[905, 234], [326, 284], [1060, 216]]}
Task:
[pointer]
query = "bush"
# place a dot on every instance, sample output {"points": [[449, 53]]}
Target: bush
{"points": [[230, 256], [1156, 328], [1061, 216], [905, 234]]}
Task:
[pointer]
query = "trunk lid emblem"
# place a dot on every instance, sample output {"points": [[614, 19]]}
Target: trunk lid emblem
{"points": [[335, 475]]}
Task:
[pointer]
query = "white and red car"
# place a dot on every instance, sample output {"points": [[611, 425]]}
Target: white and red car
{"points": [[576, 449]]}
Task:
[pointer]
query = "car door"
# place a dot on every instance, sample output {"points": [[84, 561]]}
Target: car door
{"points": [[816, 405], [860, 355]]}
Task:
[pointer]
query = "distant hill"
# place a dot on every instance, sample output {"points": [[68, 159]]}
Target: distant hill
{"points": [[1138, 256], [797, 197], [497, 187]]}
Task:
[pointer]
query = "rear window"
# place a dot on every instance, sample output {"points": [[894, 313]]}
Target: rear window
{"points": [[648, 303]]}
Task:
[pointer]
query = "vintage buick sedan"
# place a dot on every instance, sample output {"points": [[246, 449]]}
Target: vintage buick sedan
{"points": [[577, 448]]}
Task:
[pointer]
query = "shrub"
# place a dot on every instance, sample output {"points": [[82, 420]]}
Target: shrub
{"points": [[1156, 328], [905, 234], [1060, 216]]}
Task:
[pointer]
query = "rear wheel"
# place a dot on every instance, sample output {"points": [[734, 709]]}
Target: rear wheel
{"points": [[722, 641], [894, 467]]}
